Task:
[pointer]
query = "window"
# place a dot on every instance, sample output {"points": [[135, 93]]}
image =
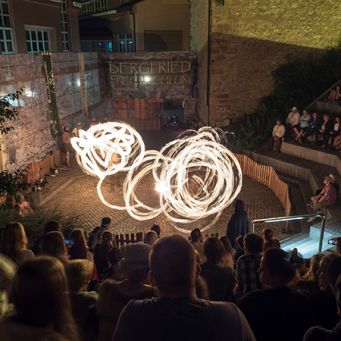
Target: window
{"points": [[6, 32], [96, 45], [64, 27], [37, 40], [125, 42]]}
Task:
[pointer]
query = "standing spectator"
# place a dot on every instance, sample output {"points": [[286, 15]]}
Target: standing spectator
{"points": [[314, 128], [293, 120], [219, 279], [13, 243], [114, 259], [277, 313], [96, 234], [83, 303], [42, 307], [101, 252], [303, 126], [53, 244], [247, 275], [239, 247], [156, 228], [239, 224], [197, 241], [180, 315], [334, 132], [229, 258], [324, 131], [114, 296], [78, 248], [269, 240], [278, 133], [150, 238], [67, 148]]}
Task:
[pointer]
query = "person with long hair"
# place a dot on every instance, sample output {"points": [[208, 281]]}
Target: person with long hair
{"points": [[229, 258], [14, 243], [53, 244], [78, 248], [42, 306]]}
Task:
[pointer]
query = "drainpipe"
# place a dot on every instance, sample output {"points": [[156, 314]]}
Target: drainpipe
{"points": [[208, 89], [134, 25]]}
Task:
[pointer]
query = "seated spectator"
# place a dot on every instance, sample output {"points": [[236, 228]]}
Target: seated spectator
{"points": [[334, 333], [180, 315], [53, 244], [313, 129], [324, 131], [277, 313], [239, 247], [113, 295], [78, 248], [335, 94], [293, 120], [303, 127], [324, 307], [83, 303], [229, 258], [114, 259], [42, 307], [296, 260], [102, 250], [278, 133], [327, 197], [337, 142], [197, 242], [150, 238], [238, 224], [156, 228], [247, 276], [13, 243], [96, 234], [50, 226], [269, 240], [7, 273], [334, 132], [219, 279]]}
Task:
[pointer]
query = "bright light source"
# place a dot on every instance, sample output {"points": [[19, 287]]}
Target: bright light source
{"points": [[147, 79], [161, 188]]}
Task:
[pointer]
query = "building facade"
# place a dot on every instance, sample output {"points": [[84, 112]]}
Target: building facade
{"points": [[240, 44], [135, 25], [33, 26]]}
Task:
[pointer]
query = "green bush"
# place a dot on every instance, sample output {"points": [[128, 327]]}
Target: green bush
{"points": [[296, 83], [34, 223]]}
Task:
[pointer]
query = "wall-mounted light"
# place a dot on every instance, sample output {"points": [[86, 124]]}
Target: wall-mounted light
{"points": [[147, 79]]}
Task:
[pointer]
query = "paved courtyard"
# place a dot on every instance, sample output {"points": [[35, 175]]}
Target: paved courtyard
{"points": [[74, 194]]}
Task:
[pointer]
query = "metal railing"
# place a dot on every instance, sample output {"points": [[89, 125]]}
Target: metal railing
{"points": [[292, 218]]}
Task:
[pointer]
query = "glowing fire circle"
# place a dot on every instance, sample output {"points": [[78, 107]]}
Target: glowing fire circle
{"points": [[196, 176]]}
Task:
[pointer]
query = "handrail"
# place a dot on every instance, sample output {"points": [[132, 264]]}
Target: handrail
{"points": [[292, 218]]}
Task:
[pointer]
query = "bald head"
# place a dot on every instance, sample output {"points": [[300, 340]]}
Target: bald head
{"points": [[173, 266]]}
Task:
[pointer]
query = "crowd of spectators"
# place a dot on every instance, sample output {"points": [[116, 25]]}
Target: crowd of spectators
{"points": [[170, 288]]}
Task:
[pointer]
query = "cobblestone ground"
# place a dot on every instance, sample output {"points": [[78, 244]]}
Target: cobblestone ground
{"points": [[74, 194]]}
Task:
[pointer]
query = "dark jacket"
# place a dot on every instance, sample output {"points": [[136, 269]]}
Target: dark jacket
{"points": [[238, 225]]}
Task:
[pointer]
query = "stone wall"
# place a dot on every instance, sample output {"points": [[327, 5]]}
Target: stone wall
{"points": [[31, 139], [251, 38]]}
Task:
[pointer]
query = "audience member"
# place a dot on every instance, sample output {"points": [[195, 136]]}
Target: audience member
{"points": [[278, 133], [239, 247], [50, 226], [334, 132], [269, 240], [296, 260], [277, 313], [180, 315], [337, 142], [7, 273], [303, 125], [66, 146], [324, 131], [95, 235], [293, 119], [150, 238], [313, 129], [78, 248], [239, 224], [156, 228], [113, 295], [13, 243], [247, 275], [42, 307], [23, 206], [335, 94], [114, 259], [102, 250], [229, 258], [197, 240], [83, 303], [219, 279], [53, 245]]}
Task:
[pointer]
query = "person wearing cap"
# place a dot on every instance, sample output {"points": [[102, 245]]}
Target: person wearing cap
{"points": [[293, 119], [113, 295], [278, 133]]}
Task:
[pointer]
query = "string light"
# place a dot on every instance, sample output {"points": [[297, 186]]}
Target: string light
{"points": [[194, 176]]}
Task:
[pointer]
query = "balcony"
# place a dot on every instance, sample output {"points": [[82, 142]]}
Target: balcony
{"points": [[105, 7]]}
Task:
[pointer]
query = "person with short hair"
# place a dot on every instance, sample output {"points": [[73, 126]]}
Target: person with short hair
{"points": [[269, 240], [101, 252], [156, 228], [197, 240], [303, 126], [219, 279], [49, 226], [150, 238], [313, 129], [247, 276], [96, 234], [277, 313], [83, 303], [42, 306], [278, 133], [53, 244], [180, 315], [13, 243]]}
